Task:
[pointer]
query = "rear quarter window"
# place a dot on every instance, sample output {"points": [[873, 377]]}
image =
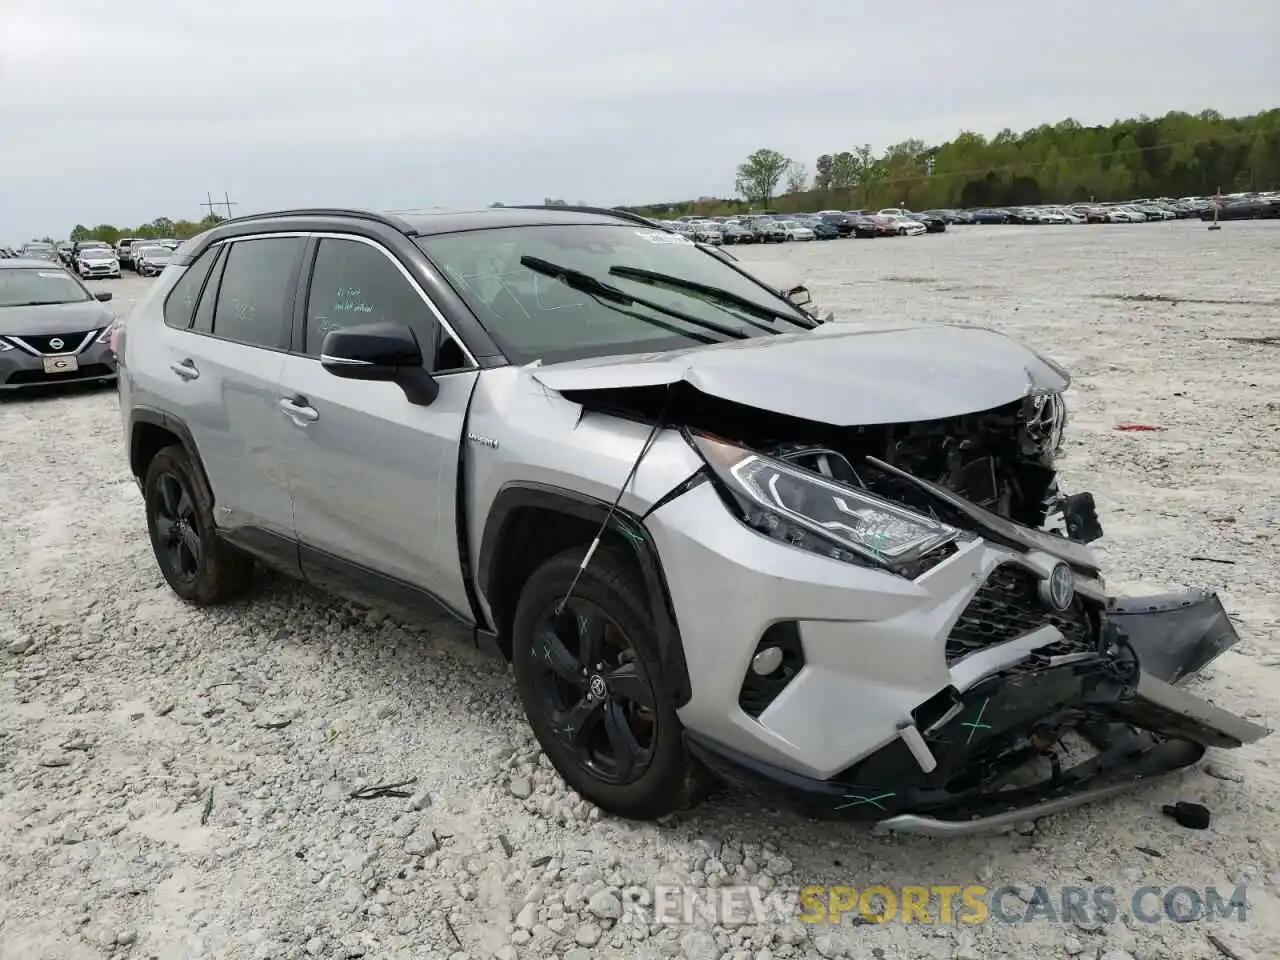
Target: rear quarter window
{"points": [[180, 305]]}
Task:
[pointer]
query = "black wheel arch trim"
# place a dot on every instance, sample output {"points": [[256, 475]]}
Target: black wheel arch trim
{"points": [[171, 424], [521, 494]]}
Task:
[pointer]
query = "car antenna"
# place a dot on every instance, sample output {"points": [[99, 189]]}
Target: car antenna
{"points": [[613, 507]]}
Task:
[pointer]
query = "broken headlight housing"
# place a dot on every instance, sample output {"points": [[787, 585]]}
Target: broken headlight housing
{"points": [[806, 510]]}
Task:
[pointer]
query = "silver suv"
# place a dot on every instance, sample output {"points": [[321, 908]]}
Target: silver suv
{"points": [[712, 533]]}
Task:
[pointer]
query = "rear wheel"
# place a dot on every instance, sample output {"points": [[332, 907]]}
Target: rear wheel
{"points": [[199, 567], [592, 687]]}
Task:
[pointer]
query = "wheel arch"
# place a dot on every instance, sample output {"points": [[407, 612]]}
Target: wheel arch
{"points": [[529, 523], [150, 431]]}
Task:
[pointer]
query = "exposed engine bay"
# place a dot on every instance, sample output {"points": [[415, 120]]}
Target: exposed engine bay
{"points": [[1000, 459]]}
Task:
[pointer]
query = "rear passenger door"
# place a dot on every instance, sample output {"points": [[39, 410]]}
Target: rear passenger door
{"points": [[226, 370], [374, 477]]}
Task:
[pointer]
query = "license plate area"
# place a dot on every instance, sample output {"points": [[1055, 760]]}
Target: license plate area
{"points": [[62, 364]]}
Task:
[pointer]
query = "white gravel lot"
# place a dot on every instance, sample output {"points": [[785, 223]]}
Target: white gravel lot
{"points": [[176, 783]]}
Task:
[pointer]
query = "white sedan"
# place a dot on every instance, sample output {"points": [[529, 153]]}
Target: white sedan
{"points": [[797, 231], [905, 226]]}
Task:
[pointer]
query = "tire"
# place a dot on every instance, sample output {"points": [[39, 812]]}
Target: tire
{"points": [[610, 606], [199, 567]]}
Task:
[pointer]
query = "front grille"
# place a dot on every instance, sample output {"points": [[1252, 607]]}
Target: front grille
{"points": [[1008, 606], [69, 342]]}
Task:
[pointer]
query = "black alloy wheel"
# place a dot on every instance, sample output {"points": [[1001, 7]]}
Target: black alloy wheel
{"points": [[595, 693], [177, 527], [199, 567]]}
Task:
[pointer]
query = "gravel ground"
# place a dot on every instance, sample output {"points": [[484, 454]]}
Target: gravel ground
{"points": [[177, 783]]}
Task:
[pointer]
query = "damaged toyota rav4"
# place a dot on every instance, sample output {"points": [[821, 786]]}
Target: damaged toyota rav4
{"points": [[719, 538]]}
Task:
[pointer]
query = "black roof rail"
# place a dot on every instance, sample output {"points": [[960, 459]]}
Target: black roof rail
{"points": [[387, 221], [582, 208]]}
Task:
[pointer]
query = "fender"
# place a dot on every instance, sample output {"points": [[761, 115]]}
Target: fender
{"points": [[516, 495]]}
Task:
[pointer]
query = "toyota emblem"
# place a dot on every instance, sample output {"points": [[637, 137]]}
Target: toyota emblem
{"points": [[57, 343]]}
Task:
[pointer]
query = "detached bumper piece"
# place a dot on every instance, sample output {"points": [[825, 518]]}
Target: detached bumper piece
{"points": [[962, 765]]}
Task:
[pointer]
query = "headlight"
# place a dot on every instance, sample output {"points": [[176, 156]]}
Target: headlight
{"points": [[809, 511]]}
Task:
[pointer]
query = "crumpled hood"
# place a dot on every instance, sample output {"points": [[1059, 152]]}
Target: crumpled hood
{"points": [[838, 374], [54, 318]]}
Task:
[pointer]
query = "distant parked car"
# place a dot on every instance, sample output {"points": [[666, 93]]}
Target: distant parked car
{"points": [[768, 230], [795, 230], [37, 250], [52, 328], [124, 248], [843, 222], [151, 259], [735, 232], [97, 261], [823, 230], [932, 222], [990, 216], [905, 226]]}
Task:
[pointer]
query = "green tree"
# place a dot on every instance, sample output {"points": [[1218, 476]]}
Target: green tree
{"points": [[797, 177], [844, 175], [758, 175], [79, 232], [822, 172], [869, 172]]}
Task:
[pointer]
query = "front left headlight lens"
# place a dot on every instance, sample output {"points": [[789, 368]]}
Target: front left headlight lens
{"points": [[804, 509]]}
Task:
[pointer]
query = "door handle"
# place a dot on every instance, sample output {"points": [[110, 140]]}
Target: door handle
{"points": [[299, 409], [186, 369]]}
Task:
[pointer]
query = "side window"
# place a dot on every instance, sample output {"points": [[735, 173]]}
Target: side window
{"points": [[180, 305], [255, 297], [204, 312], [354, 283]]}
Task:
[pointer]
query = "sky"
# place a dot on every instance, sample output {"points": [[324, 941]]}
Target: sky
{"points": [[122, 112]]}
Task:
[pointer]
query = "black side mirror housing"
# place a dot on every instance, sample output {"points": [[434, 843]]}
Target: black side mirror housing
{"points": [[380, 351], [103, 295]]}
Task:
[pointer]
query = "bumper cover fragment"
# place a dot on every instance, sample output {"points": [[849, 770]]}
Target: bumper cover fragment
{"points": [[1119, 699]]}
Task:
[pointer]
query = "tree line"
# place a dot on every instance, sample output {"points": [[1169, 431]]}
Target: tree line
{"points": [[161, 228], [1179, 154]]}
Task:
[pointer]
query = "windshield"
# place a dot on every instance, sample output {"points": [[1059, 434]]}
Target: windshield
{"points": [[533, 316], [30, 286], [152, 251], [95, 252]]}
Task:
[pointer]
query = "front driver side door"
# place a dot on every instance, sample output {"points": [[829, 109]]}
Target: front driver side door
{"points": [[373, 477]]}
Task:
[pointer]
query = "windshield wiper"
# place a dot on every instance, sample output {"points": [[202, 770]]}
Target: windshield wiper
{"points": [[711, 293], [609, 294]]}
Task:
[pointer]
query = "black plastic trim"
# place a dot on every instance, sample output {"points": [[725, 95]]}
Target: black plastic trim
{"points": [[174, 425], [268, 546], [358, 582], [517, 495]]}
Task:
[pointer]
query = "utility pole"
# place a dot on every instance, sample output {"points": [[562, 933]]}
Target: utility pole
{"points": [[213, 205]]}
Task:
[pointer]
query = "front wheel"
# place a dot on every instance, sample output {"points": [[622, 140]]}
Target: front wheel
{"points": [[592, 687]]}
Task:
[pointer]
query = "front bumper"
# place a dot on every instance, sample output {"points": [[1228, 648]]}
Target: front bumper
{"points": [[20, 370], [913, 702], [92, 270]]}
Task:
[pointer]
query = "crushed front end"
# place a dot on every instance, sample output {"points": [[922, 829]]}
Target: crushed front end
{"points": [[905, 624]]}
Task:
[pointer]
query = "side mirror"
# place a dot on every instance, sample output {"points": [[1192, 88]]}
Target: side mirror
{"points": [[103, 296], [380, 351], [799, 296]]}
